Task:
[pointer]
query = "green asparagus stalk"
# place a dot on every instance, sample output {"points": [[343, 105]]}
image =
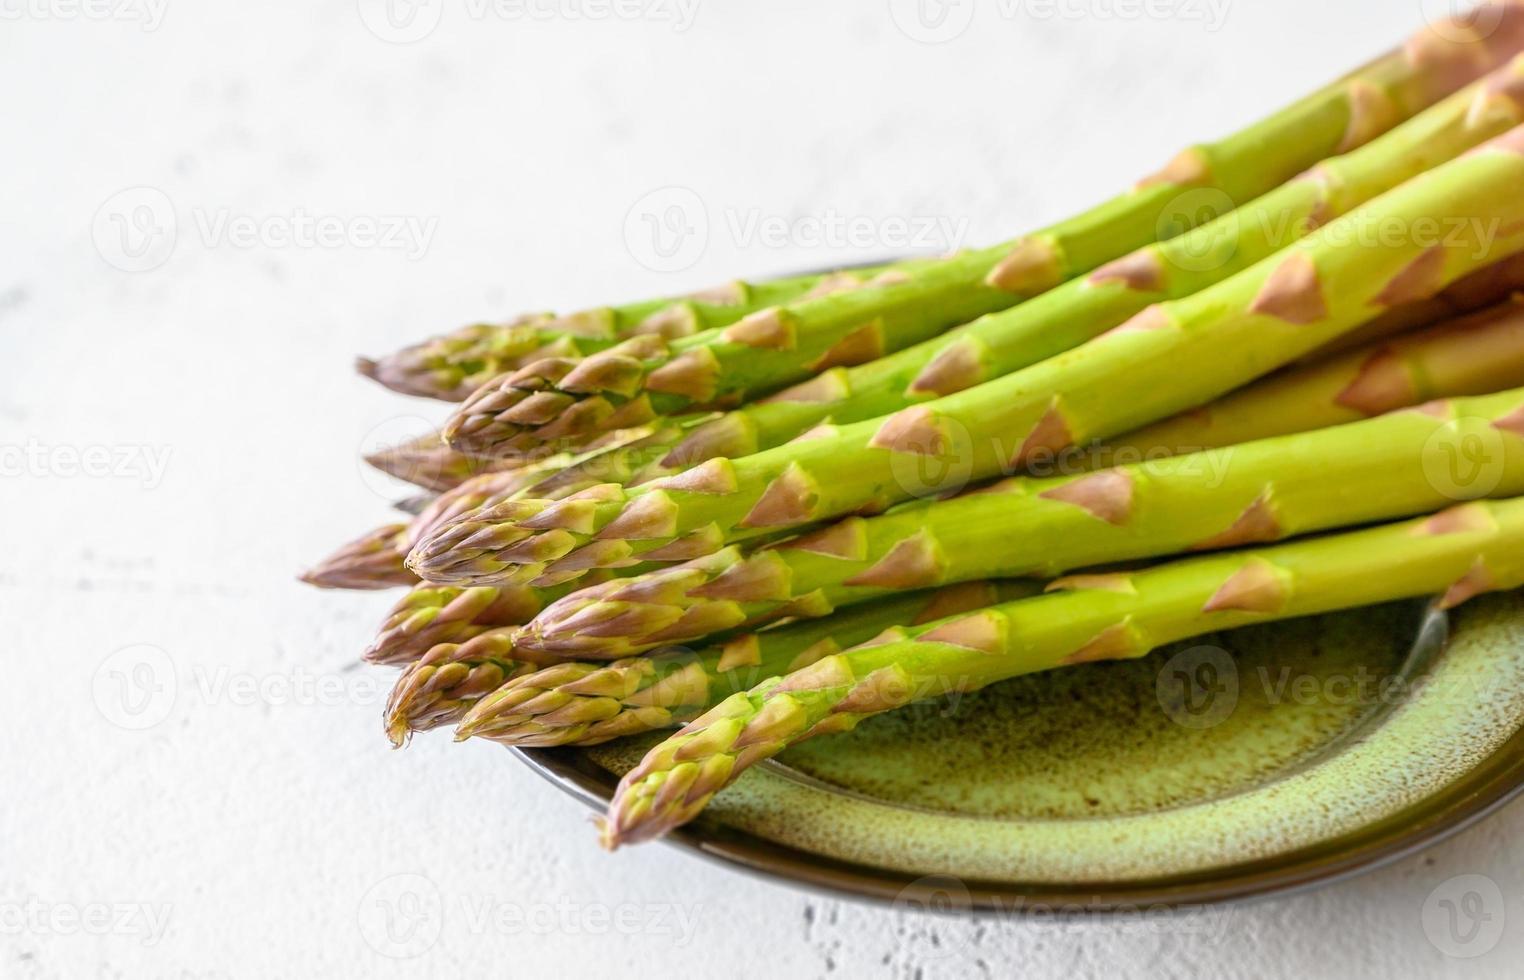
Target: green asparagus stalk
{"points": [[563, 400], [586, 704], [451, 366], [517, 412], [677, 445], [1459, 553], [1383, 468], [1472, 293], [1473, 355], [1405, 245], [1081, 309]]}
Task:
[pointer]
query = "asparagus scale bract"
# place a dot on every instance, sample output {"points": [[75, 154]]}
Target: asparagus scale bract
{"points": [[561, 399], [1171, 357], [1472, 355], [1457, 553], [1368, 471]]}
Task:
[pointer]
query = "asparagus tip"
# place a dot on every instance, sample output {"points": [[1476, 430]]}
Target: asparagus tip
{"points": [[373, 561]]}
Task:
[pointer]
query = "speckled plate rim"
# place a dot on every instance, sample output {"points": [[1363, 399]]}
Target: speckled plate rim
{"points": [[1485, 789], [1494, 779]]}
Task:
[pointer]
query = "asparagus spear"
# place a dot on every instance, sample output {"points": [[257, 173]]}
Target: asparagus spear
{"points": [[451, 366], [585, 704], [493, 419], [375, 560], [1285, 307], [561, 399], [431, 615], [1473, 355], [1461, 552], [679, 444], [1077, 311], [372, 561], [427, 462], [441, 687], [626, 464], [1385, 468]]}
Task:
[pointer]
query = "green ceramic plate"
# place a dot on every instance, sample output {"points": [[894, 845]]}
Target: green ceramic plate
{"points": [[1242, 764]]}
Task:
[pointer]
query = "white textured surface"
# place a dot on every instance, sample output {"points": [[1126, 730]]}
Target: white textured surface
{"points": [[270, 825]]}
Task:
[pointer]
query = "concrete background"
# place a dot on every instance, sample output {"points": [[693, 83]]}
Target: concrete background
{"points": [[195, 783]]}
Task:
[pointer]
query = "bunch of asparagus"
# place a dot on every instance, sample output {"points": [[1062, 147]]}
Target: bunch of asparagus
{"points": [[769, 510]]}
